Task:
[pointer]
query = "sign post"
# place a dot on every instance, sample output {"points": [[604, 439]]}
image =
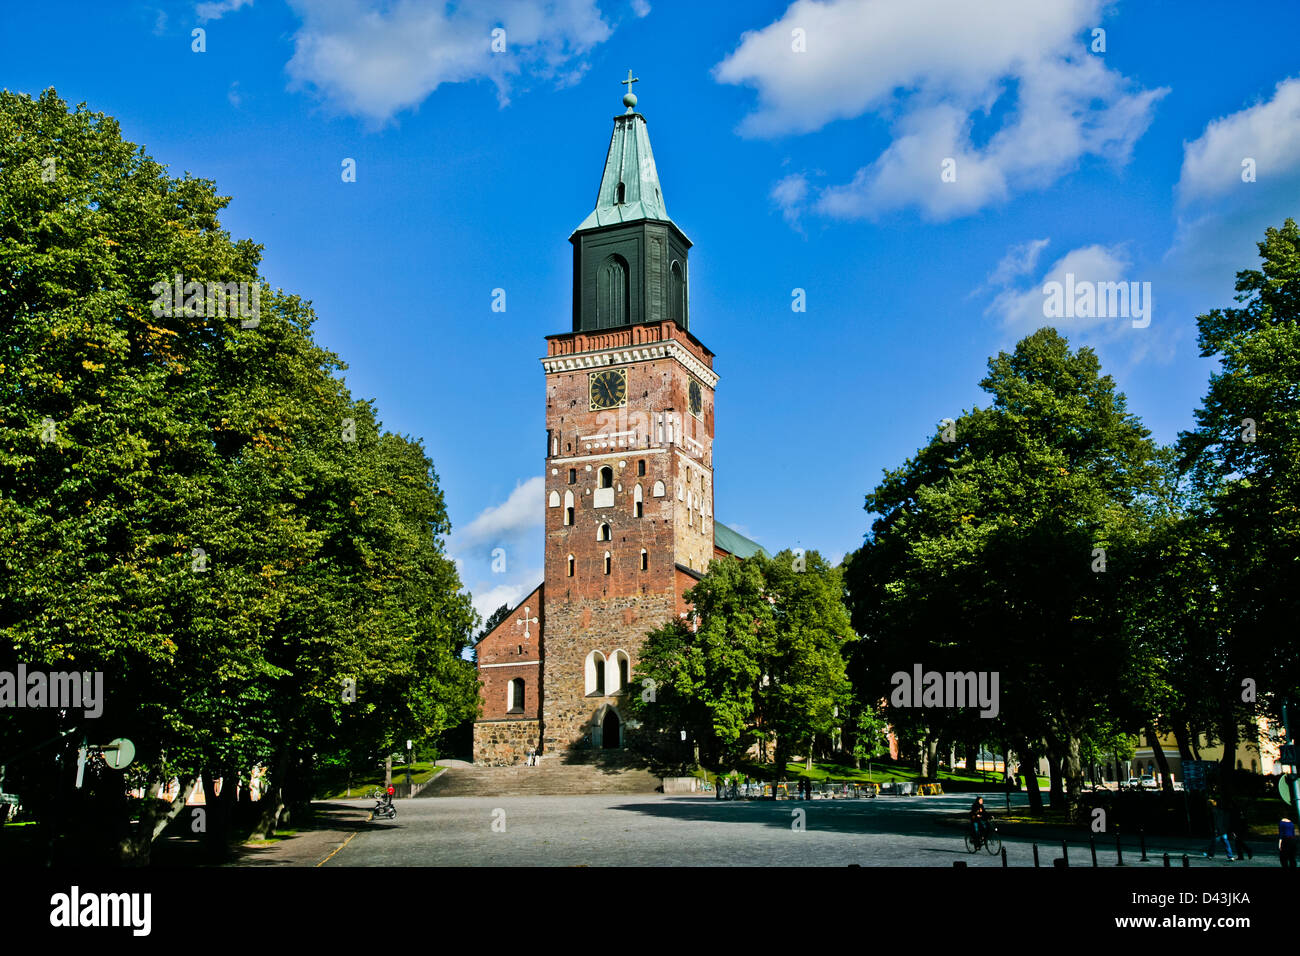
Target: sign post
{"points": [[1289, 753]]}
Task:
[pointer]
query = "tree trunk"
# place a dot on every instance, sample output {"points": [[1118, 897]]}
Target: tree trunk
{"points": [[273, 800], [971, 751], [1056, 790], [1073, 774], [1029, 771], [135, 850], [1166, 781], [1184, 747], [1228, 733], [219, 808]]}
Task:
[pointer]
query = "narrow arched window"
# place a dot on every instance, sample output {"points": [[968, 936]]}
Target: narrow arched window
{"points": [[620, 194], [638, 502], [568, 507], [611, 293], [645, 560], [677, 294], [594, 672], [606, 477], [570, 565], [618, 673], [608, 562], [516, 696], [602, 533]]}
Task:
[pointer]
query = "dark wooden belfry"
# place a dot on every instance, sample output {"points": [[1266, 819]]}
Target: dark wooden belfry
{"points": [[629, 258]]}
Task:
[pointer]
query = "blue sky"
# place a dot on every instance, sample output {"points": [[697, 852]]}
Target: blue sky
{"points": [[800, 146]]}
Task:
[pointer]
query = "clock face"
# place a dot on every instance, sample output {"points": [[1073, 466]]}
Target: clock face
{"points": [[607, 389], [695, 397]]}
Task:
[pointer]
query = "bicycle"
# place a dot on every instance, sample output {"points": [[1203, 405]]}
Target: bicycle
{"points": [[987, 838]]}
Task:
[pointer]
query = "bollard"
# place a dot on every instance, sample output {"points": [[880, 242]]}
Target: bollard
{"points": [[1166, 861], [1035, 854], [1059, 862], [961, 863], [1142, 836], [1186, 862], [1119, 849], [1065, 853], [1004, 856], [1092, 845]]}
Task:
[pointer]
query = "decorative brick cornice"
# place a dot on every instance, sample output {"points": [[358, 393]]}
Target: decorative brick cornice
{"points": [[627, 355]]}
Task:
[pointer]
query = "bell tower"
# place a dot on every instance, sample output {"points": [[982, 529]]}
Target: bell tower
{"points": [[629, 258], [629, 450]]}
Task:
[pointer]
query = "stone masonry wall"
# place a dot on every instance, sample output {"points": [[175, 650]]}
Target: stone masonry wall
{"points": [[499, 743], [575, 630]]}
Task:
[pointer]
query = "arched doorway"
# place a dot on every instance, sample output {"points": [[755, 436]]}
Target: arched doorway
{"points": [[611, 731]]}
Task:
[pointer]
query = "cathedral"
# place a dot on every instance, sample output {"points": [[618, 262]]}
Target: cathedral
{"points": [[629, 477]]}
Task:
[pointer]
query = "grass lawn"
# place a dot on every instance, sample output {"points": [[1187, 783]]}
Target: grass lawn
{"points": [[337, 789], [881, 772]]}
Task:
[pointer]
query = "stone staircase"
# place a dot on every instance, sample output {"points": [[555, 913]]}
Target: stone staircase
{"points": [[549, 778]]}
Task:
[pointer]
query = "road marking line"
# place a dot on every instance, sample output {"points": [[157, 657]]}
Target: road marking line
{"points": [[339, 847]]}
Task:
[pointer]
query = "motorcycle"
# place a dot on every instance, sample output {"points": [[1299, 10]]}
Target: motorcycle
{"points": [[384, 808]]}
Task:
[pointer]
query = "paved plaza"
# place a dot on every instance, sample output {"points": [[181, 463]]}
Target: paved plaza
{"points": [[690, 830]]}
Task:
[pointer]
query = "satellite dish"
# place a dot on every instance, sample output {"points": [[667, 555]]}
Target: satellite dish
{"points": [[119, 753]]}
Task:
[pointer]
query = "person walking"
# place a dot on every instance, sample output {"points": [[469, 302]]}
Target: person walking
{"points": [[1240, 828], [1286, 842], [1219, 823]]}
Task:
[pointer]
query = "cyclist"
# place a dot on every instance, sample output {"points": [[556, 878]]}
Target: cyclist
{"points": [[979, 819]]}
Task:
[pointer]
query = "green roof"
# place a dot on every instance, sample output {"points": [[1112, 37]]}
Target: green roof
{"points": [[736, 543], [630, 163]]}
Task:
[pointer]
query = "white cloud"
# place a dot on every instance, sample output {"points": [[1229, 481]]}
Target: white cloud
{"points": [[498, 553], [374, 60], [1221, 216], [523, 510], [1019, 260], [485, 602], [930, 68], [641, 8], [789, 194], [1268, 133], [218, 8], [1020, 311]]}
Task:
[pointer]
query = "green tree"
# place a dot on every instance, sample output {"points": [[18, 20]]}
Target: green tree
{"points": [[192, 503], [1243, 458], [988, 551], [763, 659]]}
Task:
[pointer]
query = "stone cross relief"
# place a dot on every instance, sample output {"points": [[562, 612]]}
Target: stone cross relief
{"points": [[526, 621]]}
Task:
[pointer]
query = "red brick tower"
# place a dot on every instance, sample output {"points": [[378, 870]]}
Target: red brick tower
{"points": [[629, 476]]}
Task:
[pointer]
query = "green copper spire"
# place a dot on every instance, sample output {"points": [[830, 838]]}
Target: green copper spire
{"points": [[629, 188]]}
